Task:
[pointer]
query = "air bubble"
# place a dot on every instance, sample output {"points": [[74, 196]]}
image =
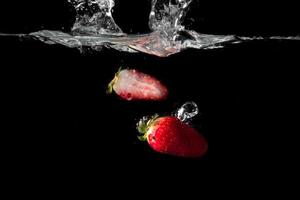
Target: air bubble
{"points": [[187, 111]]}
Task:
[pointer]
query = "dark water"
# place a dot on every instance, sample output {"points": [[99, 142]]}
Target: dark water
{"points": [[59, 121]]}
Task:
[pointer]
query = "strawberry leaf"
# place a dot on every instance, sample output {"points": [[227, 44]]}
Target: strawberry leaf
{"points": [[110, 86]]}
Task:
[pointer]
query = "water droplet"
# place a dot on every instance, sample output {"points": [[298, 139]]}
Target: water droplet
{"points": [[187, 111]]}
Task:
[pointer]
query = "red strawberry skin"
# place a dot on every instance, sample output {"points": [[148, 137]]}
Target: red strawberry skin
{"points": [[131, 84], [171, 136]]}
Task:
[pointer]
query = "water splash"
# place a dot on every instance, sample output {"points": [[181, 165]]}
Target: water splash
{"points": [[187, 111], [94, 17], [95, 27], [167, 17]]}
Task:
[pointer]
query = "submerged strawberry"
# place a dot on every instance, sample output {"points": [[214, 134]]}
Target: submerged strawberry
{"points": [[131, 84], [171, 136]]}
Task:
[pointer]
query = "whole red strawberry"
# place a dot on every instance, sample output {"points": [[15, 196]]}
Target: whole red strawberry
{"points": [[171, 136], [131, 84]]}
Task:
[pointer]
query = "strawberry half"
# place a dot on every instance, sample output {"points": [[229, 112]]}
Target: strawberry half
{"points": [[131, 84], [169, 135]]}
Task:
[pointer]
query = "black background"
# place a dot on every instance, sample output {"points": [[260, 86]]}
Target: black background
{"points": [[60, 123]]}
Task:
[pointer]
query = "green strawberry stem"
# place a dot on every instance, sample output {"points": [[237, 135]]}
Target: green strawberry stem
{"points": [[110, 86], [144, 125]]}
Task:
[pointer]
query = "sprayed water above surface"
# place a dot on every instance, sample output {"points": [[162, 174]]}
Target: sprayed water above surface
{"points": [[95, 27]]}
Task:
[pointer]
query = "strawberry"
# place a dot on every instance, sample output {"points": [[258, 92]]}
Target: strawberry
{"points": [[131, 84], [171, 136]]}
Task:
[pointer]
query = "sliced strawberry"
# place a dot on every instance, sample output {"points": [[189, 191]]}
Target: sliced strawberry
{"points": [[171, 136], [131, 84]]}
